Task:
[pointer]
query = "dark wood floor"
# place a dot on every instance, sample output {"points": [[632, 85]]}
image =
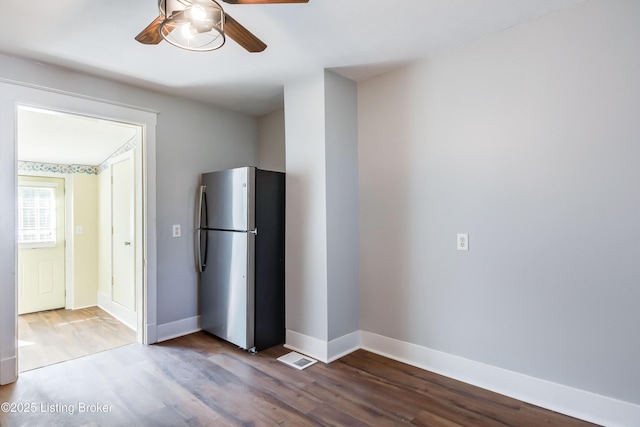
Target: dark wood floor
{"points": [[198, 380], [55, 336]]}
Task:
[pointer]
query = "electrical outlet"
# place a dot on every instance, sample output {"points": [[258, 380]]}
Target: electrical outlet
{"points": [[176, 230], [463, 242]]}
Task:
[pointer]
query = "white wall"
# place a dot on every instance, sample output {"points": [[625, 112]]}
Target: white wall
{"points": [[271, 142], [529, 141], [191, 138]]}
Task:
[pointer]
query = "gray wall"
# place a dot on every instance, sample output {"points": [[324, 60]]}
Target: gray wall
{"points": [[341, 125], [271, 142], [191, 138], [529, 141], [306, 211], [322, 207], [8, 247]]}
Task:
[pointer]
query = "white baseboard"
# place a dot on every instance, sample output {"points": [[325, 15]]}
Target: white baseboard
{"points": [[116, 310], [342, 346], [177, 329], [8, 370], [152, 334], [323, 351], [84, 306], [556, 397], [305, 344]]}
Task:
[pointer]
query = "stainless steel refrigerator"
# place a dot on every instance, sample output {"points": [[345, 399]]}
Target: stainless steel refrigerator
{"points": [[240, 256]]}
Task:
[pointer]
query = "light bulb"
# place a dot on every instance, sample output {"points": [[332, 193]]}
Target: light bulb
{"points": [[188, 32], [198, 13]]}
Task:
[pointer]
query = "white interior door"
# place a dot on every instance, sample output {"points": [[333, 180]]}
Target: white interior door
{"points": [[41, 259], [122, 238]]}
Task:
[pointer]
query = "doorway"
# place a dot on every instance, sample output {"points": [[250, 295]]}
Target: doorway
{"points": [[60, 319], [13, 94]]}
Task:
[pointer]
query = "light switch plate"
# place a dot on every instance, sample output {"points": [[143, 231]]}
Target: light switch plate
{"points": [[176, 230], [463, 242]]}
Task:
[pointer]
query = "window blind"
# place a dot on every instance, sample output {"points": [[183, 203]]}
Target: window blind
{"points": [[36, 215]]}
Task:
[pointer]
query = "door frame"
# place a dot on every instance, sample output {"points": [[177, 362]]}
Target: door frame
{"points": [[13, 95]]}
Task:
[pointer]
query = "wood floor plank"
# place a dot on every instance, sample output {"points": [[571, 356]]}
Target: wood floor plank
{"points": [[199, 380], [227, 393], [408, 376], [265, 382], [429, 419], [364, 389], [330, 416], [465, 400], [365, 411], [55, 336]]}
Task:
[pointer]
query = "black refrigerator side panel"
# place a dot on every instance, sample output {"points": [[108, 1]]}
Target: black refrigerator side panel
{"points": [[269, 259]]}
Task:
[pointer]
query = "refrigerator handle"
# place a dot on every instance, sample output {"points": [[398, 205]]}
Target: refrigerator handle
{"points": [[198, 255], [206, 207], [202, 194], [202, 202], [202, 265]]}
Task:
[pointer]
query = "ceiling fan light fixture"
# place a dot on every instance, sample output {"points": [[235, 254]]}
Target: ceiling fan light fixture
{"points": [[196, 25], [197, 13]]}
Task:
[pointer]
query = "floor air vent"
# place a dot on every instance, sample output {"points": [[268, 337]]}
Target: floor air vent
{"points": [[297, 360]]}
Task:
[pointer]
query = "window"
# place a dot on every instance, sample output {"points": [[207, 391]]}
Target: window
{"points": [[36, 216]]}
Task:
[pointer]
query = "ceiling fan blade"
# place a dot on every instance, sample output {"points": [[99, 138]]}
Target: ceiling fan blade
{"points": [[151, 34], [242, 36], [264, 1]]}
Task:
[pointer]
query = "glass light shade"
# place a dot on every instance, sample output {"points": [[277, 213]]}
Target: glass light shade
{"points": [[193, 25]]}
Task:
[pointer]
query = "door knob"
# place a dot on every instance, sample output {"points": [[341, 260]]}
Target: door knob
{"points": [[127, 243]]}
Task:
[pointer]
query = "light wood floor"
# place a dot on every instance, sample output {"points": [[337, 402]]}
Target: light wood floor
{"points": [[198, 380], [55, 336]]}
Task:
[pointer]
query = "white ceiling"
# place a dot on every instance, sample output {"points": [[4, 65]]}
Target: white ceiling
{"points": [[357, 38], [59, 138]]}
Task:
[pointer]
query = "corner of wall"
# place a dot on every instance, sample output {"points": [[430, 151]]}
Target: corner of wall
{"points": [[324, 351]]}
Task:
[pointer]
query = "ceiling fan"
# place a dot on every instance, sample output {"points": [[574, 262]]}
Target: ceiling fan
{"points": [[202, 25]]}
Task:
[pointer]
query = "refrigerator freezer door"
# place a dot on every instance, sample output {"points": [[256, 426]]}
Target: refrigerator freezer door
{"points": [[229, 199], [227, 296]]}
